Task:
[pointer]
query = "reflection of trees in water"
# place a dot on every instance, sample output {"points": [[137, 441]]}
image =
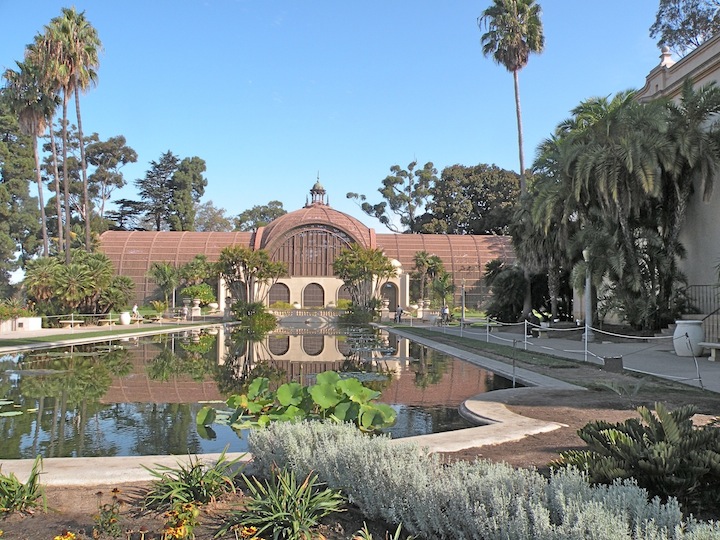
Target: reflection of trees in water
{"points": [[248, 357], [430, 365], [190, 355], [162, 429], [62, 387]]}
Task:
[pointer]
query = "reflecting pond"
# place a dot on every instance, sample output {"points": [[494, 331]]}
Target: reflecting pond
{"points": [[140, 396]]}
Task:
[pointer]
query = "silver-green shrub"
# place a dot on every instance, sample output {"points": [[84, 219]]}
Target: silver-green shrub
{"points": [[400, 483]]}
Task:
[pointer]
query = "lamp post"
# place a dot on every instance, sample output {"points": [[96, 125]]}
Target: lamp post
{"points": [[589, 336], [462, 299]]}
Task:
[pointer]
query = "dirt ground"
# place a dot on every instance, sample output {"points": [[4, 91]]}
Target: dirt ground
{"points": [[614, 400]]}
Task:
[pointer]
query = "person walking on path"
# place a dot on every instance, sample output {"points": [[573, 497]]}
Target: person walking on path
{"points": [[398, 314]]}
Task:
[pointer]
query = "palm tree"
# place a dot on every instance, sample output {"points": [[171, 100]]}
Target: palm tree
{"points": [[427, 266], [73, 284], [167, 278], [613, 160], [75, 46], [33, 105], [692, 162], [514, 30], [37, 54], [40, 278]]}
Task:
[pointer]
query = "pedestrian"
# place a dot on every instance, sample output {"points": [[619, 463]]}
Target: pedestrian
{"points": [[398, 314], [445, 314], [135, 312]]}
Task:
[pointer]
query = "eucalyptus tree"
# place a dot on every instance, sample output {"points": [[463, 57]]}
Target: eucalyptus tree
{"points": [[513, 31], [259, 216], [75, 46], [406, 193], [33, 106], [209, 218]]}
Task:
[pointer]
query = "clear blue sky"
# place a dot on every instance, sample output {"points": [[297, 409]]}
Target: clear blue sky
{"points": [[271, 92]]}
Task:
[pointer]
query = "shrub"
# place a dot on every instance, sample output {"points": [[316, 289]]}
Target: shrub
{"points": [[286, 509], [664, 452], [202, 291], [343, 303], [196, 482], [18, 497], [159, 306], [281, 305], [254, 316], [399, 483]]}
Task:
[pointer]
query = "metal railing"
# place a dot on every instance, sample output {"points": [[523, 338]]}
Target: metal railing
{"points": [[705, 299]]}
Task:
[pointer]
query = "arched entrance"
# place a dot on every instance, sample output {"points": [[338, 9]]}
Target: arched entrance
{"points": [[390, 293], [313, 296]]}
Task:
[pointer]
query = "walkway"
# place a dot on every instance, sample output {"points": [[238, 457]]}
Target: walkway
{"points": [[646, 355]]}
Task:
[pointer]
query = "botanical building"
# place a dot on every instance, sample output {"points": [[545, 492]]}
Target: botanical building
{"points": [[307, 241]]}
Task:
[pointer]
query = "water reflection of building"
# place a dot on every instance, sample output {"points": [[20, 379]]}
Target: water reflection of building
{"points": [[412, 375]]}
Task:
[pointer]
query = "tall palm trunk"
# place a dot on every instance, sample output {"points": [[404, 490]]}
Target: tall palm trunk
{"points": [[521, 154], [41, 198], [83, 167], [66, 181], [553, 286], [56, 174], [527, 299]]}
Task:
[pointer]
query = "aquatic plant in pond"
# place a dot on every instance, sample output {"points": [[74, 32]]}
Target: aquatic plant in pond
{"points": [[332, 397]]}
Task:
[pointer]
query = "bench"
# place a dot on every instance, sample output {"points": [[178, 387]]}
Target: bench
{"points": [[71, 323], [540, 332], [106, 322], [713, 349]]}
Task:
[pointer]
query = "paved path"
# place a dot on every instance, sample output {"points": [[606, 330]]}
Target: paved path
{"points": [[653, 356]]}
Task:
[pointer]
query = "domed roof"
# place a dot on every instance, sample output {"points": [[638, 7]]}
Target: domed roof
{"points": [[315, 213]]}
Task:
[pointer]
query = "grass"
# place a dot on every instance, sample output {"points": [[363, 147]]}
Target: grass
{"points": [[560, 368], [92, 335]]}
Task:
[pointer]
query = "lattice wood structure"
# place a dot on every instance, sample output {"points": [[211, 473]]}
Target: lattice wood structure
{"points": [[308, 240]]}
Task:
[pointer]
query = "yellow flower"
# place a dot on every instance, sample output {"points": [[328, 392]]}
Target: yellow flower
{"points": [[67, 535]]}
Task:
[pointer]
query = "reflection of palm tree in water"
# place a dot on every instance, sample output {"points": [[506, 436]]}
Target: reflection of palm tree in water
{"points": [[429, 368], [83, 375]]}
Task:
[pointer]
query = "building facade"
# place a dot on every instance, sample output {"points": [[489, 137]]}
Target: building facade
{"points": [[699, 234], [307, 241]]}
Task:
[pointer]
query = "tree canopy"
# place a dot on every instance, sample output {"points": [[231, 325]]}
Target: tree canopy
{"points": [[683, 25], [259, 216], [472, 200], [406, 192]]}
